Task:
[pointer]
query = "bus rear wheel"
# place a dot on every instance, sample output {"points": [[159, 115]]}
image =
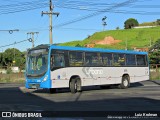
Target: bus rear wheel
{"points": [[125, 82]]}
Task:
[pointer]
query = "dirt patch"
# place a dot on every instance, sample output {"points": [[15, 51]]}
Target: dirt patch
{"points": [[108, 41]]}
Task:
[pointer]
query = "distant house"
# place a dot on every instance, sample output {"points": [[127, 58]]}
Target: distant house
{"points": [[144, 27], [15, 69], [144, 49], [91, 45]]}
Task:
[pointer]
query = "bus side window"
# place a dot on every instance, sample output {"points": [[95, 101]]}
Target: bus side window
{"points": [[93, 59], [107, 59], [60, 60], [119, 59], [75, 58], [141, 61], [130, 60], [88, 59], [57, 60]]}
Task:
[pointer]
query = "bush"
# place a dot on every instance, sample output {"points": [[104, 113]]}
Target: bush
{"points": [[9, 71]]}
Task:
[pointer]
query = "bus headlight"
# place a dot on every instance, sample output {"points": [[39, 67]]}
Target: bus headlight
{"points": [[45, 78]]}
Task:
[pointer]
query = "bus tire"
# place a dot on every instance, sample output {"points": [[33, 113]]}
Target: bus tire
{"points": [[125, 82], [52, 90], [73, 85], [79, 88]]}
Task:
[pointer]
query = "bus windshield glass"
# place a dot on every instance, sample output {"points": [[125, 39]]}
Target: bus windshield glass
{"points": [[37, 62]]}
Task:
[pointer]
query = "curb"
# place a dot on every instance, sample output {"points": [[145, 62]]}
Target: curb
{"points": [[24, 90], [154, 81]]}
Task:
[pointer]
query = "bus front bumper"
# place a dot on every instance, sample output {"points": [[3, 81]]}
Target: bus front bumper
{"points": [[34, 86]]}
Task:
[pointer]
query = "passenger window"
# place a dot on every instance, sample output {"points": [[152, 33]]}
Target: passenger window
{"points": [[93, 59], [75, 58], [130, 60], [107, 59], [141, 61], [119, 60]]}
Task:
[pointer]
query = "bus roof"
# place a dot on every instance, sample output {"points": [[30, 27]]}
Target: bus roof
{"points": [[91, 49], [95, 49]]}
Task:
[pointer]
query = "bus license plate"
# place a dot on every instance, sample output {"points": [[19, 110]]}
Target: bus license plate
{"points": [[34, 86]]}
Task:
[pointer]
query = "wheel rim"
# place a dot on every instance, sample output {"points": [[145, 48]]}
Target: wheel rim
{"points": [[125, 82]]}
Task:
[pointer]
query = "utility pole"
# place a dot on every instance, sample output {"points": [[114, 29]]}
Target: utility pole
{"points": [[150, 41], [32, 39], [104, 22], [50, 13], [126, 44]]}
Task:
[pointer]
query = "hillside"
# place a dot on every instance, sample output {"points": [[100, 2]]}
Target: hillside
{"points": [[132, 37]]}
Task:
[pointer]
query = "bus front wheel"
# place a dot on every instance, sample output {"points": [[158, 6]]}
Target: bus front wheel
{"points": [[125, 82], [73, 86]]}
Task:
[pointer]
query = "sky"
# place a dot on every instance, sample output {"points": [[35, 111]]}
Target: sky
{"points": [[77, 19]]}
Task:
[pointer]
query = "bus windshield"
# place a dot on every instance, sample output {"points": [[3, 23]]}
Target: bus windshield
{"points": [[37, 63]]}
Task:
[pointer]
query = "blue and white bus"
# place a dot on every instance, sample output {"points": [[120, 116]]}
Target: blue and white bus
{"points": [[52, 67]]}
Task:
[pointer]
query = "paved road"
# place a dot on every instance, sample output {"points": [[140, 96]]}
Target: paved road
{"points": [[143, 96]]}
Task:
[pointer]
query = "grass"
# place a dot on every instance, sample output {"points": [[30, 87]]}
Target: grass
{"points": [[155, 75], [12, 78], [134, 37]]}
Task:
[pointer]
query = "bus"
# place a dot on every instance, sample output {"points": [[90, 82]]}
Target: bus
{"points": [[51, 67]]}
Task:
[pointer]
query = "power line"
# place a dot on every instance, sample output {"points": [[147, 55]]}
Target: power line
{"points": [[22, 10], [14, 43], [116, 11], [113, 11], [146, 6], [22, 6], [10, 31], [96, 13], [92, 29], [91, 4]]}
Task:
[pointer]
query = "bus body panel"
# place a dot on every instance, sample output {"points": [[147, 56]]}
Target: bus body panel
{"points": [[108, 75]]}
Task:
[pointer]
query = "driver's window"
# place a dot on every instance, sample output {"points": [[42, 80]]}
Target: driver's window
{"points": [[39, 63]]}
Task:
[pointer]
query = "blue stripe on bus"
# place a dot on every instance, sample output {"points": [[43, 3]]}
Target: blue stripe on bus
{"points": [[96, 50]]}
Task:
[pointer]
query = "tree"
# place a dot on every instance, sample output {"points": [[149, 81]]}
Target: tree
{"points": [[117, 28], [13, 54], [158, 21], [1, 55], [155, 46], [131, 22], [154, 53], [78, 45], [154, 57]]}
